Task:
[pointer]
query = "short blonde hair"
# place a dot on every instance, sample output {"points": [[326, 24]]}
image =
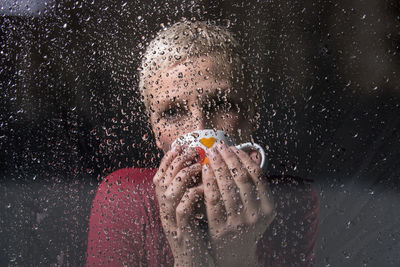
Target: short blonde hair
{"points": [[182, 41]]}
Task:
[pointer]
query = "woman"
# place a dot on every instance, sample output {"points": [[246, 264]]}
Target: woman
{"points": [[224, 213]]}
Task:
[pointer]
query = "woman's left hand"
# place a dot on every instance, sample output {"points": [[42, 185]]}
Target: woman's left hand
{"points": [[239, 205]]}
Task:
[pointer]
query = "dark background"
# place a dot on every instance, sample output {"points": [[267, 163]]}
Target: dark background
{"points": [[70, 114]]}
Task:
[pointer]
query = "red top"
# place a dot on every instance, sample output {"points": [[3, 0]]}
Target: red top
{"points": [[125, 227]]}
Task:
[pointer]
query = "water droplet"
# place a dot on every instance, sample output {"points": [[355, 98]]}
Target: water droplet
{"points": [[174, 234], [234, 171], [199, 216], [346, 254]]}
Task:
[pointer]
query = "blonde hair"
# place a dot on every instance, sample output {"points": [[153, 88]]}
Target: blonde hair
{"points": [[182, 41]]}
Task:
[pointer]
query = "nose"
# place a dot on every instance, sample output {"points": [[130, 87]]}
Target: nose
{"points": [[201, 120]]}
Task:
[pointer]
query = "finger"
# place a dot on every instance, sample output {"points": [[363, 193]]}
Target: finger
{"points": [[181, 161], [242, 178], [215, 209], [185, 210], [262, 187], [255, 156], [226, 184], [165, 163], [179, 185]]}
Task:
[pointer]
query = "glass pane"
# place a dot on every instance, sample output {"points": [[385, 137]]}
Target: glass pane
{"points": [[84, 119]]}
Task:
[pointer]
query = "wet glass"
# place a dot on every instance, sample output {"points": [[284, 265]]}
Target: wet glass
{"points": [[326, 110]]}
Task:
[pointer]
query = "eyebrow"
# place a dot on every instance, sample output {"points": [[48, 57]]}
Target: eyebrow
{"points": [[216, 95]]}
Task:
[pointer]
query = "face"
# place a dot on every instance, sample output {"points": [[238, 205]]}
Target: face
{"points": [[197, 94]]}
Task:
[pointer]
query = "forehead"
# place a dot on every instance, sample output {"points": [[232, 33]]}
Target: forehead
{"points": [[191, 77]]}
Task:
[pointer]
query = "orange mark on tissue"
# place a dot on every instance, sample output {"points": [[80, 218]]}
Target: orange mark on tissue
{"points": [[206, 160], [208, 142]]}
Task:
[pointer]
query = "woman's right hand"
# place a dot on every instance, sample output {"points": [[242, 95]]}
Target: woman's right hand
{"points": [[177, 201]]}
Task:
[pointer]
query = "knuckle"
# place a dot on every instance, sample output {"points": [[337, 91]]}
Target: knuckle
{"points": [[188, 171], [182, 174], [234, 149], [214, 199], [253, 218], [236, 224], [241, 153], [243, 178], [167, 156], [156, 179], [168, 197], [230, 156], [180, 158], [181, 211], [268, 210], [233, 217], [159, 181]]}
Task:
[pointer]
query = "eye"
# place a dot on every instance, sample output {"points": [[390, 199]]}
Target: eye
{"points": [[173, 113], [223, 105]]}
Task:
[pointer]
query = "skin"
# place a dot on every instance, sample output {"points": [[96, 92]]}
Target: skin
{"points": [[196, 94], [231, 190]]}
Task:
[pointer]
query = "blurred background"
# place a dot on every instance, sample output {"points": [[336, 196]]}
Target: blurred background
{"points": [[70, 114]]}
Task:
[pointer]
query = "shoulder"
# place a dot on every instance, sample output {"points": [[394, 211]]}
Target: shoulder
{"points": [[126, 175], [119, 211], [124, 188], [127, 178]]}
